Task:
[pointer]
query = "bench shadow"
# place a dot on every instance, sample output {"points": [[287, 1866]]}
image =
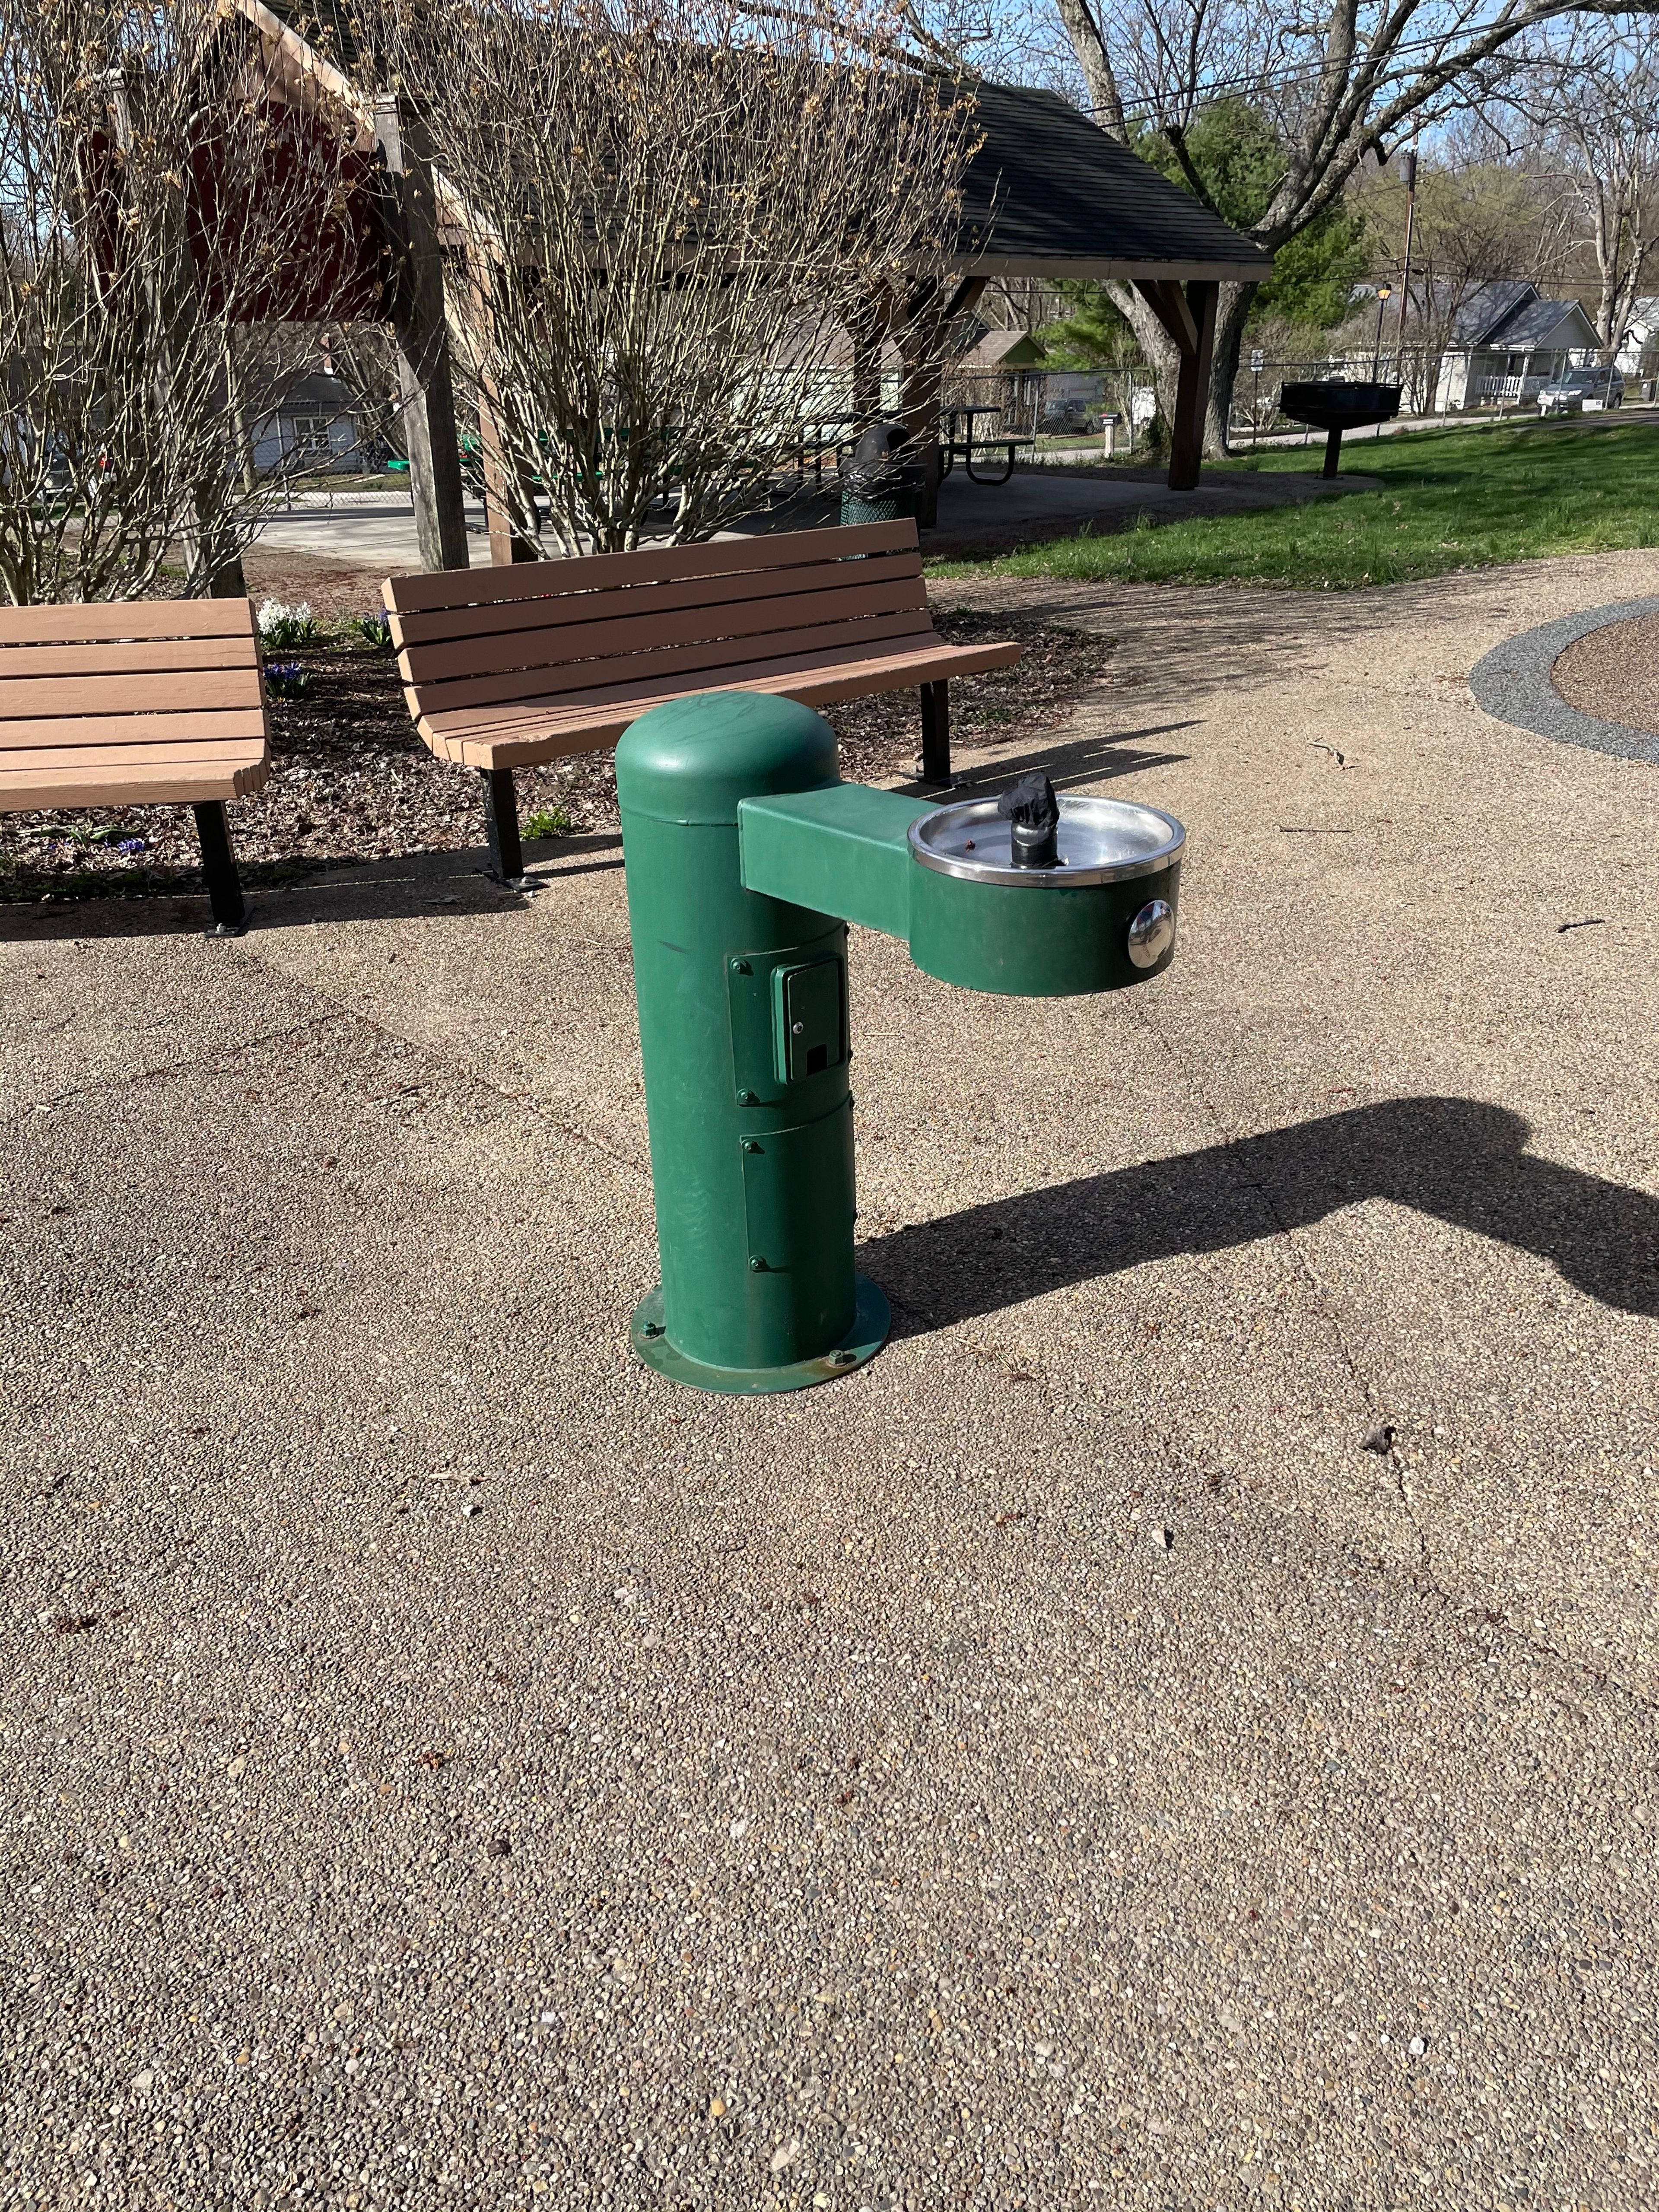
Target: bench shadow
{"points": [[1069, 763], [1091, 759], [420, 885], [1457, 1160]]}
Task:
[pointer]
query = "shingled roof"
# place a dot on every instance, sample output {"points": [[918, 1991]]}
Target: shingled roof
{"points": [[1049, 194]]}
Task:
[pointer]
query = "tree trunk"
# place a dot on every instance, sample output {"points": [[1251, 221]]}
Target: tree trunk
{"points": [[1232, 311]]}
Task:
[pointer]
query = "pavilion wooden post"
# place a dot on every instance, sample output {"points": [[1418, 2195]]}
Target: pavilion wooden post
{"points": [[1188, 315], [505, 493], [867, 328], [920, 389], [426, 387]]}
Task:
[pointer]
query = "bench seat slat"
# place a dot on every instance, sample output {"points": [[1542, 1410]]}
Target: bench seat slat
{"points": [[732, 556], [647, 633], [548, 730], [919, 654], [177, 784], [70, 732], [124, 618], [25, 760], [140, 657], [224, 688], [457, 625], [714, 653]]}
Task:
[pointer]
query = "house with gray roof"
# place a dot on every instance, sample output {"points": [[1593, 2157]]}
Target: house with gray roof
{"points": [[1505, 342]]}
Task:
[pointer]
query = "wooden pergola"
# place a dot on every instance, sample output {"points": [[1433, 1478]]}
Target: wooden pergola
{"points": [[1046, 195]]}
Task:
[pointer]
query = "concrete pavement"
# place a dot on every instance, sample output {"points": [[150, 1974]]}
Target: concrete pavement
{"points": [[968, 512], [1061, 1765]]}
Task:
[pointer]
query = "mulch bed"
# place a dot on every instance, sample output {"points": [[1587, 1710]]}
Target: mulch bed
{"points": [[352, 782]]}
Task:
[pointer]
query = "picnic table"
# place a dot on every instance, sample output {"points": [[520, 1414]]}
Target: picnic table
{"points": [[961, 446], [814, 443]]}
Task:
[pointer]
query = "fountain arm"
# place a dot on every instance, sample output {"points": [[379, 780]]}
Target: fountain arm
{"points": [[943, 879], [842, 850]]}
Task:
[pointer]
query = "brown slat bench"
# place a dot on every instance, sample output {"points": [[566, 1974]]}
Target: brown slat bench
{"points": [[505, 667], [157, 702]]}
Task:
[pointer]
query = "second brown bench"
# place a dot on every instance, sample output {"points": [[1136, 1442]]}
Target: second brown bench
{"points": [[159, 703], [506, 667]]}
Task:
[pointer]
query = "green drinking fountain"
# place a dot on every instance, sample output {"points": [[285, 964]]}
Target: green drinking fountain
{"points": [[747, 857]]}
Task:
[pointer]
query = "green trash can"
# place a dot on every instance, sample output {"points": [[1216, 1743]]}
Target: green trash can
{"points": [[882, 478]]}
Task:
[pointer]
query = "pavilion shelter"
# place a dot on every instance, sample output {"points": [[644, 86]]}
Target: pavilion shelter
{"points": [[1049, 195], [1046, 194]]}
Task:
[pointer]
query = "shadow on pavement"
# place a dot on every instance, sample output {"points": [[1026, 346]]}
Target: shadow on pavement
{"points": [[1456, 1159], [1074, 761], [380, 890]]}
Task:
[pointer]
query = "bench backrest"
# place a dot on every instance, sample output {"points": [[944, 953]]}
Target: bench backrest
{"points": [[483, 637], [149, 684]]}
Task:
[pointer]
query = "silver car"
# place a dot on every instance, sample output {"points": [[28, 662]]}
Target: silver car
{"points": [[1567, 394]]}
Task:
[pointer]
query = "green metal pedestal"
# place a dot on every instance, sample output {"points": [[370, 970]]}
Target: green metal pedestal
{"points": [[871, 1322], [743, 1030], [746, 859]]}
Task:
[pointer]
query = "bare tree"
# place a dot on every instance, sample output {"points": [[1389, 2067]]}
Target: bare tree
{"points": [[364, 357], [660, 218], [1593, 97], [1339, 81], [1485, 213], [165, 191]]}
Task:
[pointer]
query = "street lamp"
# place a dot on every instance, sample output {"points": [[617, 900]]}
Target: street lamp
{"points": [[1384, 293]]}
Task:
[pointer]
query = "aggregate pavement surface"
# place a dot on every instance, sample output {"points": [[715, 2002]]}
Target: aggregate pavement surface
{"points": [[1176, 1730]]}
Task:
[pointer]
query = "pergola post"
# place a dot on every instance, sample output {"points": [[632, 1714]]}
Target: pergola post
{"points": [[921, 391], [1188, 315], [867, 328], [426, 387]]}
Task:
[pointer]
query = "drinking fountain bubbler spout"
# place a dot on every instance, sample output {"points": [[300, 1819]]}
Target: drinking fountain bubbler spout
{"points": [[1032, 813]]}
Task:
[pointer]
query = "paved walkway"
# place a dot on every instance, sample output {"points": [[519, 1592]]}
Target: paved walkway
{"points": [[969, 512], [1061, 1765]]}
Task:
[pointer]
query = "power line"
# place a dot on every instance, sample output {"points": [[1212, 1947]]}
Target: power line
{"points": [[1291, 74]]}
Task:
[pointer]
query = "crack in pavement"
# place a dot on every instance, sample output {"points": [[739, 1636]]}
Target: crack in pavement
{"points": [[1426, 1578]]}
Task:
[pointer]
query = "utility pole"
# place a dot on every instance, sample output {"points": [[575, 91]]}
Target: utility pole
{"points": [[1406, 265]]}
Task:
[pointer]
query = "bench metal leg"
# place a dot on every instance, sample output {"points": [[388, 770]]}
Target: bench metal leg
{"points": [[224, 886], [936, 733], [502, 826]]}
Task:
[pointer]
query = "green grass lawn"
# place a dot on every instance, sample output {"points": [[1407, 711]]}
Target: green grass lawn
{"points": [[1449, 499]]}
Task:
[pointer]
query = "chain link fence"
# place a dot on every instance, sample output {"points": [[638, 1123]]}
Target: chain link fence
{"points": [[1070, 418]]}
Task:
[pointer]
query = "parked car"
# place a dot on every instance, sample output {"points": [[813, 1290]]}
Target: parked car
{"points": [[1602, 387]]}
